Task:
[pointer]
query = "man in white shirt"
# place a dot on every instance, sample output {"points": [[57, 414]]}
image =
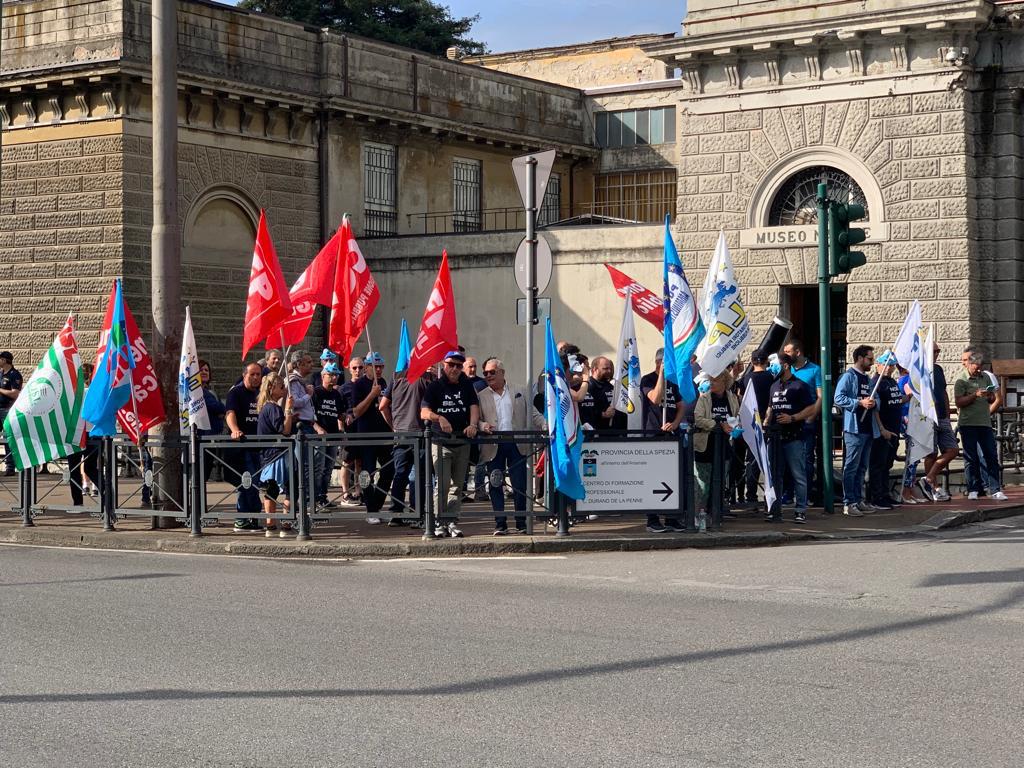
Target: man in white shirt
{"points": [[506, 409]]}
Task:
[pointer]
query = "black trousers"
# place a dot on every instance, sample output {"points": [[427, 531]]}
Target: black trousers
{"points": [[375, 456], [883, 454]]}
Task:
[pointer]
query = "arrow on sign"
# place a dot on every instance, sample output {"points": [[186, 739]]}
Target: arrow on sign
{"points": [[665, 490]]}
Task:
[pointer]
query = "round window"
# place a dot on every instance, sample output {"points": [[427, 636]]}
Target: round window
{"points": [[796, 203]]}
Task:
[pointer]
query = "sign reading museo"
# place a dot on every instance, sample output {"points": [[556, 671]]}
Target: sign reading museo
{"points": [[796, 237], [630, 475]]}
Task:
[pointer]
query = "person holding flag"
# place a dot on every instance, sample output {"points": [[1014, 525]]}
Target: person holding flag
{"points": [[684, 329], [44, 423], [626, 390]]}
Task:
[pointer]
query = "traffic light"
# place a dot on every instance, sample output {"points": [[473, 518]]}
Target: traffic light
{"points": [[841, 237]]}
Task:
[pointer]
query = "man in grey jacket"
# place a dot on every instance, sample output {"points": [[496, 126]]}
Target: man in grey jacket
{"points": [[506, 409]]}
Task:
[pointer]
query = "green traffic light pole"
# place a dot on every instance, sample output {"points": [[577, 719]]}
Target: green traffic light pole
{"points": [[825, 333]]}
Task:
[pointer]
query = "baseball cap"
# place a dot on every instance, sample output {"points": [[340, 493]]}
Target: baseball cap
{"points": [[328, 355], [455, 355], [374, 358], [5, 355], [759, 356], [332, 368]]}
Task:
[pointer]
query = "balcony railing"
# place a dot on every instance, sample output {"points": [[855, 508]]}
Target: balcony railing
{"points": [[513, 219]]}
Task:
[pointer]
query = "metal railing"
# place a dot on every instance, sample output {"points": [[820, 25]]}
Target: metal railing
{"points": [[144, 480]]}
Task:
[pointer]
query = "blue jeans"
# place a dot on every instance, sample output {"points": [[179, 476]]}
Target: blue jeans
{"points": [[981, 460], [855, 465], [789, 455], [509, 459]]}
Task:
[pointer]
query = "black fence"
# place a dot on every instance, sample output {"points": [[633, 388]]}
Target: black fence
{"points": [[419, 478]]}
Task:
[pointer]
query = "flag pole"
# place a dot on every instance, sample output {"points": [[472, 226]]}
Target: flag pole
{"points": [[285, 349]]}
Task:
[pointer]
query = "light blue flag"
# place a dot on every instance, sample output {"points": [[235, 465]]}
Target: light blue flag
{"points": [[404, 349], [683, 327], [565, 438], [111, 386]]}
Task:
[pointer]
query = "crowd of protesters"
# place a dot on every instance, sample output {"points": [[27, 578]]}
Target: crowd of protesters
{"points": [[460, 407]]}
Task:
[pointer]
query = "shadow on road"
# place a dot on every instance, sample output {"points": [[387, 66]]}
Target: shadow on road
{"points": [[520, 680], [1008, 576], [129, 577]]}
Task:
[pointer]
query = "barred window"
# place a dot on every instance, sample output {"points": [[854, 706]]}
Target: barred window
{"points": [[636, 195], [468, 190], [551, 207], [380, 167]]}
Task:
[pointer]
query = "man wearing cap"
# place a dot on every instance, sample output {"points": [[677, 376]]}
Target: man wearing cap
{"points": [[10, 387], [329, 407], [451, 407], [368, 419], [888, 415]]}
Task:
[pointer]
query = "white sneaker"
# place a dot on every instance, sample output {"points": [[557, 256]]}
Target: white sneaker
{"points": [[440, 531], [591, 518], [941, 495], [852, 511], [972, 496], [373, 521], [453, 531], [999, 496]]}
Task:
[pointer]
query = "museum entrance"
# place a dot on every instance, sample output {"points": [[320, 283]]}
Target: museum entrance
{"points": [[800, 305]]}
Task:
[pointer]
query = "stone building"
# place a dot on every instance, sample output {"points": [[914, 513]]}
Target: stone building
{"points": [[910, 106]]}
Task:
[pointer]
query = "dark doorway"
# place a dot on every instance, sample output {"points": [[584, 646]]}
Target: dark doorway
{"points": [[800, 305]]}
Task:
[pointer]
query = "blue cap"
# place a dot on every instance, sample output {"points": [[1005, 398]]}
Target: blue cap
{"points": [[328, 355], [374, 358], [455, 355], [332, 368]]}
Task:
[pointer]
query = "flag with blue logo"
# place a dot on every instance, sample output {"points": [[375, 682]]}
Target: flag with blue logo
{"points": [[404, 349], [726, 321], [191, 402], [111, 386], [565, 438], [683, 327], [753, 436], [626, 396]]}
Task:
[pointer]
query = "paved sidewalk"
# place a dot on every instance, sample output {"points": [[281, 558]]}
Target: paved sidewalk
{"points": [[356, 538]]}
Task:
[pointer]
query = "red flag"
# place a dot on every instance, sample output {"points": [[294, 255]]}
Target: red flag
{"points": [[268, 304], [439, 330], [314, 286], [145, 408], [355, 296], [646, 303]]}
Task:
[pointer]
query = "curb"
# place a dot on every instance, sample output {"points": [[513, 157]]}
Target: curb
{"points": [[478, 547]]}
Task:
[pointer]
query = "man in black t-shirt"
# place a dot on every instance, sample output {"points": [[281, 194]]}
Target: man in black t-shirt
{"points": [[888, 415], [368, 419], [658, 392], [329, 413], [242, 417], [450, 405], [479, 467], [10, 387], [596, 406], [790, 404]]}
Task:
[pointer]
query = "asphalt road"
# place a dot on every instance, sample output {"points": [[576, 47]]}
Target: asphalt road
{"points": [[861, 654]]}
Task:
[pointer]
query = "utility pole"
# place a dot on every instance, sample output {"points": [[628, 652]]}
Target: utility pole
{"points": [[165, 282], [825, 334]]}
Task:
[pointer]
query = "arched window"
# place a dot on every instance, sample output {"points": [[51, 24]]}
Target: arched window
{"points": [[220, 229], [795, 203]]}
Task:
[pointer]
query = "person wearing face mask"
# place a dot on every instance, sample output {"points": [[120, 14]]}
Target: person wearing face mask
{"points": [[860, 429], [791, 403], [715, 405], [761, 380]]}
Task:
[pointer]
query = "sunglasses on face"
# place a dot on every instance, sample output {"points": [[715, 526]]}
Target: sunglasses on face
{"points": [[454, 365], [355, 367], [489, 373]]}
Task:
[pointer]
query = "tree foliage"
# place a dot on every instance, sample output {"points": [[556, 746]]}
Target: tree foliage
{"points": [[421, 24]]}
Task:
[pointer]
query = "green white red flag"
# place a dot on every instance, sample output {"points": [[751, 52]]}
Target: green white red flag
{"points": [[45, 422]]}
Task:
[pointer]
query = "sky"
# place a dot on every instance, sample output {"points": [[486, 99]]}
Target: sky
{"points": [[512, 25]]}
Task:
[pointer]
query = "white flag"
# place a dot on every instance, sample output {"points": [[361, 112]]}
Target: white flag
{"points": [[626, 394], [907, 340], [191, 405], [726, 323], [753, 435], [921, 431]]}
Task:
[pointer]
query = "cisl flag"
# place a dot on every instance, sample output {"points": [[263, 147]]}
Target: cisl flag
{"points": [[268, 304], [355, 296], [314, 286], [439, 330]]}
